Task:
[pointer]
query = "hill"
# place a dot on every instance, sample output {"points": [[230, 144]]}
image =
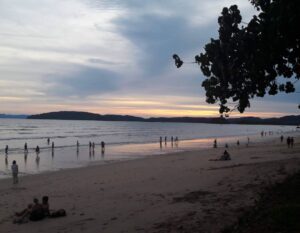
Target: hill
{"points": [[73, 115]]}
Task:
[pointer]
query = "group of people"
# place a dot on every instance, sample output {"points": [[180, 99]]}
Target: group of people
{"points": [[290, 142], [263, 133], [15, 168], [37, 211], [37, 149], [34, 212], [215, 144], [173, 140], [92, 146]]}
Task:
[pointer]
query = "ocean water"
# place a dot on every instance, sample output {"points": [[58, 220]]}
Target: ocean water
{"points": [[124, 140]]}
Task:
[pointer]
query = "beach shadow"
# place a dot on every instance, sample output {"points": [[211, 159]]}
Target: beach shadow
{"points": [[192, 197]]}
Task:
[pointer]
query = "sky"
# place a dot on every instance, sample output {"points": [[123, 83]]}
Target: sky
{"points": [[114, 57]]}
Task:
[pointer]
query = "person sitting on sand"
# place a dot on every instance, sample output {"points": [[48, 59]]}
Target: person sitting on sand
{"points": [[39, 211], [45, 205], [225, 156], [23, 216], [29, 212]]}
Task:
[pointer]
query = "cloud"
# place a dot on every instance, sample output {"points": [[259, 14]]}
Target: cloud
{"points": [[73, 54], [83, 83]]}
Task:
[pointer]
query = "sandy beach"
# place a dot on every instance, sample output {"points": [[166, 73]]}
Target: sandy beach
{"points": [[181, 192]]}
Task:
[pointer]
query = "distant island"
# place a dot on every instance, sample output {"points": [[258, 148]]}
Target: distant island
{"points": [[11, 116], [73, 115]]}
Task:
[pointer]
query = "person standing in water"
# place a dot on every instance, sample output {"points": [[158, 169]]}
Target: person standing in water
{"points": [[77, 146], [25, 148], [102, 147], [37, 149], [215, 143]]}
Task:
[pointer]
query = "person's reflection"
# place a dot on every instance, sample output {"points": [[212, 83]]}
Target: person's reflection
{"points": [[102, 152], [90, 154], [6, 161], [25, 157], [52, 154], [37, 161], [77, 154]]}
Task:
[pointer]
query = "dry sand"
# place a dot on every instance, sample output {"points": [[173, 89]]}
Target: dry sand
{"points": [[183, 192]]}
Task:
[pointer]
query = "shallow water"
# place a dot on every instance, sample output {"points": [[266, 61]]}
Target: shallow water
{"points": [[124, 140]]}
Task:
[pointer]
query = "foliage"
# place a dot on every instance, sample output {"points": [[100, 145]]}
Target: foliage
{"points": [[248, 61]]}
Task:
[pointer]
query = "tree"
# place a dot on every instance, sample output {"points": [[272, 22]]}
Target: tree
{"points": [[251, 60]]}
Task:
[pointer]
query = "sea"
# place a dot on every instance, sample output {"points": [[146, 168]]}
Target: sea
{"points": [[123, 141]]}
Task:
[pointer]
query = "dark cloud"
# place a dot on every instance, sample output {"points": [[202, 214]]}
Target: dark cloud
{"points": [[158, 37], [86, 82]]}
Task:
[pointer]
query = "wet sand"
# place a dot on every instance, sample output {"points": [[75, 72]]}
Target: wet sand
{"points": [[181, 192]]}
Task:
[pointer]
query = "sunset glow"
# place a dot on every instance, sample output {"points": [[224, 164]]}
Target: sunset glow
{"points": [[113, 57]]}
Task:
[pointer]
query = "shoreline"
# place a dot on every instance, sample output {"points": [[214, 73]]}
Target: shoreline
{"points": [[68, 158], [181, 192]]}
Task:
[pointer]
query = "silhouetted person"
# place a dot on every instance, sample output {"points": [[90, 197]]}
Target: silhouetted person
{"points": [[37, 150], [77, 146], [90, 145], [45, 205], [215, 143], [25, 147], [48, 141], [225, 156], [292, 142], [165, 140], [102, 147], [288, 141], [176, 141], [160, 141], [226, 145], [238, 143], [6, 149], [15, 171], [281, 138]]}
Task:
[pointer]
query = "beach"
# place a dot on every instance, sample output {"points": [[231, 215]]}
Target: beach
{"points": [[177, 192]]}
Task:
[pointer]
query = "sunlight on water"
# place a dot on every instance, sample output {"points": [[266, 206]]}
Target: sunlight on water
{"points": [[123, 141]]}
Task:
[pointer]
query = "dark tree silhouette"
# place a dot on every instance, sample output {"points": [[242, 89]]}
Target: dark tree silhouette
{"points": [[254, 59]]}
